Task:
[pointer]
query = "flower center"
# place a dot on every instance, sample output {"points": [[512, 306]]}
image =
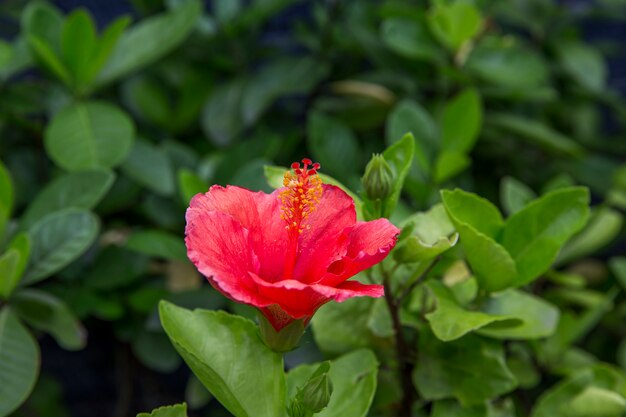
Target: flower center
{"points": [[299, 198]]}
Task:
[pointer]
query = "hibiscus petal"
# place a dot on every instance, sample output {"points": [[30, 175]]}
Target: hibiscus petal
{"points": [[220, 248], [370, 242], [257, 212], [300, 300], [324, 238]]}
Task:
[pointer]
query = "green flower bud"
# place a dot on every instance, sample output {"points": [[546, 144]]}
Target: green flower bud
{"points": [[378, 178], [315, 394]]}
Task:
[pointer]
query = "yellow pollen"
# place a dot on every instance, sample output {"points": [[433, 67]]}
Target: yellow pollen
{"points": [[302, 193]]}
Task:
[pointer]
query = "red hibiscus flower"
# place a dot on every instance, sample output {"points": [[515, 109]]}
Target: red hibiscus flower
{"points": [[289, 252]]}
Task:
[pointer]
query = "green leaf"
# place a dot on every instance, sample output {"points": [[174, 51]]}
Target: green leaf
{"points": [[45, 312], [339, 328], [514, 195], [155, 351], [354, 380], [190, 184], [105, 46], [432, 234], [221, 118], [410, 38], [479, 223], [594, 401], [196, 395], [283, 77], [535, 133], [158, 243], [9, 277], [450, 321], [89, 135], [49, 59], [461, 122], [78, 40], [539, 318], [534, 235], [450, 408], [584, 64], [505, 62], [274, 176], [150, 40], [409, 117], [399, 156], [151, 167], [19, 362], [603, 227], [21, 243], [44, 21], [449, 164], [333, 144], [618, 267], [588, 393], [115, 267], [6, 197], [471, 369], [227, 355], [178, 410], [82, 189], [456, 23], [58, 239]]}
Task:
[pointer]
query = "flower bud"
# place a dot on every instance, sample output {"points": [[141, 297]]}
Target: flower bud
{"points": [[378, 178], [315, 394]]}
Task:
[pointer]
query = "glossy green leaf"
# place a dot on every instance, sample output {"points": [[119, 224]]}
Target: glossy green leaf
{"points": [[333, 144], [221, 118], [471, 369], [584, 64], [451, 408], [589, 393], [9, 276], [105, 45], [21, 243], [514, 195], [151, 167], [538, 317], [19, 362], [49, 59], [149, 40], [461, 122], [158, 243], [432, 234], [505, 62], [479, 223], [399, 156], [43, 20], [155, 351], [227, 355], [78, 40], [339, 328], [535, 133], [618, 267], [45, 312], [190, 184], [450, 321], [455, 23], [409, 117], [410, 38], [449, 164], [6, 197], [354, 383], [534, 235], [89, 135], [178, 410], [58, 239], [603, 227], [82, 189]]}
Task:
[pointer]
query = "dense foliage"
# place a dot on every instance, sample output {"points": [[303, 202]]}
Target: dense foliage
{"points": [[503, 149]]}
